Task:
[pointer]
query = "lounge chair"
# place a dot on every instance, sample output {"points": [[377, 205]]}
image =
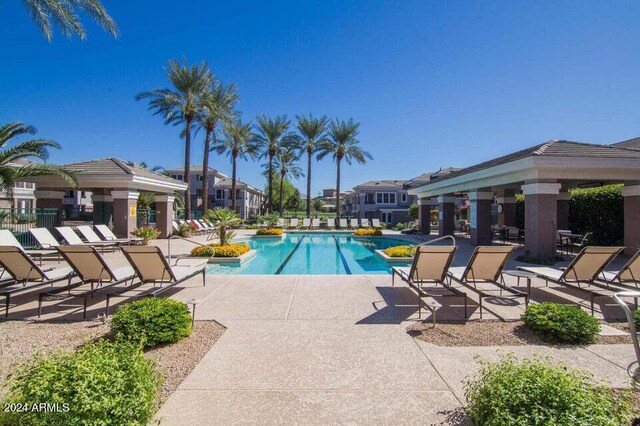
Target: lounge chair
{"points": [[353, 223], [25, 274], [430, 265], [89, 234], [280, 223], [331, 223], [306, 223], [485, 268], [293, 223], [315, 223], [582, 272], [199, 228], [151, 266], [108, 235], [44, 238], [176, 226], [365, 223], [73, 239], [8, 239], [343, 224], [627, 276], [92, 269], [376, 223]]}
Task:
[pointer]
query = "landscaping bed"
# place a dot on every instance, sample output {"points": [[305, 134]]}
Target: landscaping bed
{"points": [[488, 333]]}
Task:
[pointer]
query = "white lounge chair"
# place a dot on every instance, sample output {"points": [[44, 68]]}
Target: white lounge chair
{"points": [[365, 223], [331, 223], [8, 239], [376, 223], [315, 223], [353, 223], [73, 239], [293, 223], [306, 223], [280, 223], [89, 235], [108, 235], [343, 224]]}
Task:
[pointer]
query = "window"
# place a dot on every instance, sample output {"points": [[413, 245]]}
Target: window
{"points": [[220, 194], [177, 177], [68, 194], [83, 194], [403, 197], [385, 197], [386, 217], [199, 178]]}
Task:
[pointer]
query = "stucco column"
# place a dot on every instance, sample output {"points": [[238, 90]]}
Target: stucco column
{"points": [[164, 214], [631, 196], [446, 210], [102, 208], [540, 218], [424, 213], [563, 210], [124, 212], [480, 217], [508, 215]]}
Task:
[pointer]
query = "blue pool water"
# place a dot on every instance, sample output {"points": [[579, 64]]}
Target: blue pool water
{"points": [[314, 254]]}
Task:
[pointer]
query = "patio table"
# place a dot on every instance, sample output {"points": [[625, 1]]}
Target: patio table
{"points": [[521, 274]]}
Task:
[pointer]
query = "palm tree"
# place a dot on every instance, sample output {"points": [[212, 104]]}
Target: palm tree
{"points": [[218, 104], [64, 15], [312, 134], [10, 172], [182, 104], [285, 162], [224, 219], [342, 144], [272, 136], [237, 143]]}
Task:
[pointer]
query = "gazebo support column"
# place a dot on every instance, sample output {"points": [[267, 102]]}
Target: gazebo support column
{"points": [[47, 199], [480, 217], [563, 210], [508, 215], [164, 214], [124, 212], [540, 218], [631, 196], [446, 206], [424, 215], [102, 208]]}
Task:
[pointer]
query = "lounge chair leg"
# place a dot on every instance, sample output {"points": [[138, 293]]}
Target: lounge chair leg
{"points": [[6, 305], [39, 306], [592, 304], [84, 310], [106, 308], [480, 307]]}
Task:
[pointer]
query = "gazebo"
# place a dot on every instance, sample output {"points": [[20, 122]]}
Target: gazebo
{"points": [[115, 185], [543, 173]]}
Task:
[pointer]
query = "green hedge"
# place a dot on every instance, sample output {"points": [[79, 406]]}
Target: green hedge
{"points": [[597, 210], [152, 321], [101, 383], [536, 392], [556, 323]]}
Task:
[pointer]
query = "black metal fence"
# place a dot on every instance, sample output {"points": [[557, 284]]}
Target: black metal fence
{"points": [[19, 221]]}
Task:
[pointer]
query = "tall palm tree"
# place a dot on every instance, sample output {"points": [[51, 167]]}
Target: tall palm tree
{"points": [[218, 104], [237, 143], [272, 136], [342, 144], [181, 105], [10, 173], [312, 134], [285, 162], [65, 15]]}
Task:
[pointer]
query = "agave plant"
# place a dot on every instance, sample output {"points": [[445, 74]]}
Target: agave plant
{"points": [[224, 219]]}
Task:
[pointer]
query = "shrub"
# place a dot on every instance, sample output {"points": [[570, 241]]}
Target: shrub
{"points": [[367, 232], [152, 321], [636, 319], [101, 383], [557, 323], [146, 233], [231, 250], [269, 231], [535, 392], [203, 251], [401, 226], [400, 251], [414, 212]]}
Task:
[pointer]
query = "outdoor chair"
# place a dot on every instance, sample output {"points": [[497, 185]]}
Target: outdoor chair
{"points": [[197, 226], [293, 223], [376, 223], [331, 223], [176, 227], [90, 268], [429, 267], [280, 223], [484, 271], [365, 223], [25, 274], [628, 276], [353, 223], [89, 234], [582, 273], [108, 235], [315, 223], [343, 224], [8, 239], [151, 267], [306, 223], [513, 233], [72, 239]]}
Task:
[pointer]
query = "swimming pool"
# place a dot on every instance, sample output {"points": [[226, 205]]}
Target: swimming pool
{"points": [[314, 254]]}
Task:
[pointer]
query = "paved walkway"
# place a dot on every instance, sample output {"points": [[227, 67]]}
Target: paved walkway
{"points": [[333, 350]]}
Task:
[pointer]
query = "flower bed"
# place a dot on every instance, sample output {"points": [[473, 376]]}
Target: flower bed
{"points": [[400, 251], [216, 250], [367, 232], [270, 231]]}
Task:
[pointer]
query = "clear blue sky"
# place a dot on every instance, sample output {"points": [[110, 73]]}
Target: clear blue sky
{"points": [[433, 83]]}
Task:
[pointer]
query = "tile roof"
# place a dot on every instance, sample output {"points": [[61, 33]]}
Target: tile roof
{"points": [[383, 182], [115, 166], [226, 182]]}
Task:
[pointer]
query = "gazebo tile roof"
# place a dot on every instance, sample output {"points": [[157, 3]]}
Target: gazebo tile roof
{"points": [[116, 166]]}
